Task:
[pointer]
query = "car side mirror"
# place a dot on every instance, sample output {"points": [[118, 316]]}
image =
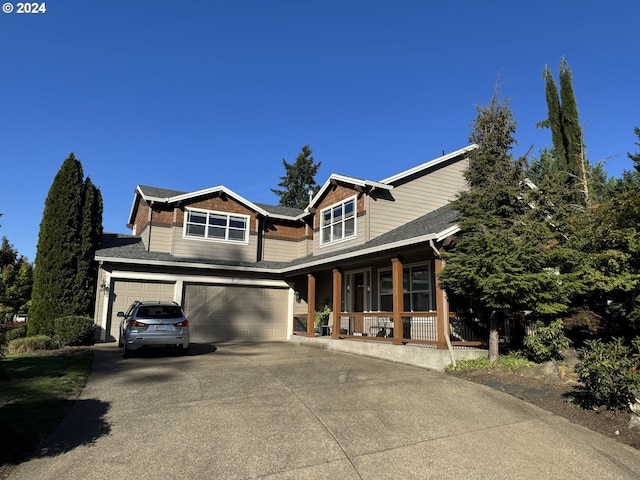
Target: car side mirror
{"points": [[120, 314]]}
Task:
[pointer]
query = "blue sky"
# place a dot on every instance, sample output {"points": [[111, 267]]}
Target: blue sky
{"points": [[188, 95]]}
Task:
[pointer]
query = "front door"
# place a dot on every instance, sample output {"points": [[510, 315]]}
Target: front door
{"points": [[358, 295]]}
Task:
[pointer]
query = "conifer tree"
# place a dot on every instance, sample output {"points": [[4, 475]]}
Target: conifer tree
{"points": [[59, 287], [567, 136], [299, 180], [15, 281], [90, 231], [504, 257], [631, 178]]}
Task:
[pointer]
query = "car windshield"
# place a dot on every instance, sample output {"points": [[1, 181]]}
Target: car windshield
{"points": [[159, 311]]}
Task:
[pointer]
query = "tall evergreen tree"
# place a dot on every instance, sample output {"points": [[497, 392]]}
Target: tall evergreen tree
{"points": [[566, 135], [15, 281], [59, 288], [298, 180], [503, 259], [90, 231], [631, 178]]}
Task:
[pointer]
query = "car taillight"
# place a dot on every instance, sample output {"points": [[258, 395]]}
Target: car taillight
{"points": [[184, 323], [136, 324]]}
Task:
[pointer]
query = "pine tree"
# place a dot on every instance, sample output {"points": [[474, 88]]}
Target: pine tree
{"points": [[503, 259], [64, 244], [298, 180]]}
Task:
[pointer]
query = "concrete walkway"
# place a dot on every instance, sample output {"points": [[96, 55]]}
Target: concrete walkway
{"points": [[288, 411]]}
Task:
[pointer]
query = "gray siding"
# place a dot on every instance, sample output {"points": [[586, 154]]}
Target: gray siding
{"points": [[160, 239], [144, 235], [281, 250], [215, 250], [415, 198], [304, 248]]}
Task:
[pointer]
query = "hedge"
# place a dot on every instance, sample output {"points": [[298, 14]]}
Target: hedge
{"points": [[73, 331]]}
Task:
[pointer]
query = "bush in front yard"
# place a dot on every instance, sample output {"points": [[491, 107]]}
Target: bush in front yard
{"points": [[547, 342], [610, 372], [29, 344], [15, 332], [73, 331]]}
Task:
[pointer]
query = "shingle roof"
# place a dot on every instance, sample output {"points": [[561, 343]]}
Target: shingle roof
{"points": [[281, 211], [159, 192], [130, 248]]}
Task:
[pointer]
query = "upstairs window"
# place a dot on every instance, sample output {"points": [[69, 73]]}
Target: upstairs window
{"points": [[338, 222], [209, 225]]}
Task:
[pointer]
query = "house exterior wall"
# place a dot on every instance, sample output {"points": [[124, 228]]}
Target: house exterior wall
{"points": [[415, 197], [186, 247], [141, 219], [160, 238], [280, 250], [181, 246], [284, 241]]}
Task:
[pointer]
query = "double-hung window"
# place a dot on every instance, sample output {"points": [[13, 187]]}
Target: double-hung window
{"points": [[338, 222], [210, 225]]}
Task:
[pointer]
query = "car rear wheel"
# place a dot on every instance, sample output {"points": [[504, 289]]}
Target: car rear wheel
{"points": [[126, 353]]}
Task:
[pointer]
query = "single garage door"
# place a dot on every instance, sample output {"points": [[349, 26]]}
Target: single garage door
{"points": [[221, 313], [125, 292]]}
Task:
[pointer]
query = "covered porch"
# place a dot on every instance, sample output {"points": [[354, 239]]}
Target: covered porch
{"points": [[392, 314]]}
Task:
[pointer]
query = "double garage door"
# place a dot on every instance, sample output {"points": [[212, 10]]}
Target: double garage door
{"points": [[216, 313], [223, 313]]}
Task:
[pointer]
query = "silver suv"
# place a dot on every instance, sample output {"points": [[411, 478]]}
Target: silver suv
{"points": [[153, 324]]}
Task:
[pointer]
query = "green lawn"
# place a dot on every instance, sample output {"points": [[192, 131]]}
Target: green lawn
{"points": [[41, 388]]}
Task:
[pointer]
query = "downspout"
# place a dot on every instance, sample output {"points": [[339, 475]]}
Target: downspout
{"points": [[149, 227], [447, 338], [261, 230]]}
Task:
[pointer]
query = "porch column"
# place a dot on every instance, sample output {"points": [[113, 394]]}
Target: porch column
{"points": [[337, 302], [311, 304], [398, 302], [442, 308]]}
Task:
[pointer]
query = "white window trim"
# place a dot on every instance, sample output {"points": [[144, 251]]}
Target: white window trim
{"points": [[247, 219], [410, 265], [355, 222]]}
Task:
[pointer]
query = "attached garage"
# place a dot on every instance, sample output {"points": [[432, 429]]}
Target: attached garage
{"points": [[125, 292], [220, 313]]}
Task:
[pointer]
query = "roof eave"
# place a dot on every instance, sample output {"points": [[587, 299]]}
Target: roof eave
{"points": [[429, 164]]}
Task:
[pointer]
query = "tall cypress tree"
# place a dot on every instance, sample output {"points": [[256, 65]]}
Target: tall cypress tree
{"points": [[63, 248], [566, 135], [90, 231], [298, 180]]}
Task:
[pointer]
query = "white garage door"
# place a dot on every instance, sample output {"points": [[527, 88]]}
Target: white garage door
{"points": [[219, 313], [125, 292]]}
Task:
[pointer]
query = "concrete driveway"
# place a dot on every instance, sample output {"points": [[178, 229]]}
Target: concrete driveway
{"points": [[287, 411]]}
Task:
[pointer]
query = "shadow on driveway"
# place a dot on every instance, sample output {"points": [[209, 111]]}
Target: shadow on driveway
{"points": [[84, 425]]}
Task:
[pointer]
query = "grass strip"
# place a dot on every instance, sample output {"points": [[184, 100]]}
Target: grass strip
{"points": [[40, 389]]}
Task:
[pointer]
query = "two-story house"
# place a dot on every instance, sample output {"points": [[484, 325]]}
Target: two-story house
{"points": [[249, 271]]}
